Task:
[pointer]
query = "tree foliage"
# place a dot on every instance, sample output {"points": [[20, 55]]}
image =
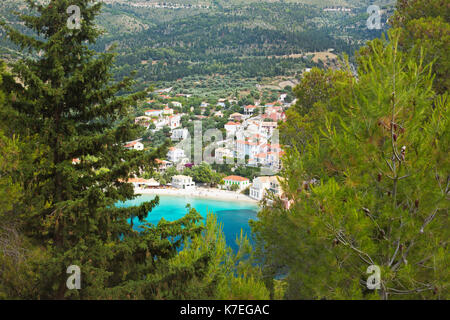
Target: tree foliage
{"points": [[68, 102], [368, 183], [427, 23]]}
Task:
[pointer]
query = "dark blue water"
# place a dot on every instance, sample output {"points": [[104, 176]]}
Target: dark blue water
{"points": [[233, 215]]}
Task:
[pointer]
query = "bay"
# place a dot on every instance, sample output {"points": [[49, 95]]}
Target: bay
{"points": [[233, 215]]}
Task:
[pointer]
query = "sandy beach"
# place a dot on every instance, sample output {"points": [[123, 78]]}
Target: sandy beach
{"points": [[209, 193]]}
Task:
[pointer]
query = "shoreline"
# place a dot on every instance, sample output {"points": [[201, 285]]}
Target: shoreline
{"points": [[208, 193]]}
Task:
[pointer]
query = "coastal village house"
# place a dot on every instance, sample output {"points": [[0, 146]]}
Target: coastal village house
{"points": [[247, 147], [174, 121], [232, 127], [175, 154], [182, 182], [218, 114], [179, 134], [163, 165], [236, 116], [221, 153], [143, 183], [250, 110], [275, 186], [167, 111], [135, 145], [236, 180], [260, 186], [153, 113]]}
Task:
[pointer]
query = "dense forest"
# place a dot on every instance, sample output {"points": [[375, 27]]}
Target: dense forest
{"points": [[239, 40]]}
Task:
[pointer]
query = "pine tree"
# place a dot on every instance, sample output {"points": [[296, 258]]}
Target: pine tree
{"points": [[68, 100], [369, 187]]}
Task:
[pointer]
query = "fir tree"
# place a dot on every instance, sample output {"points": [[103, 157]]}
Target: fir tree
{"points": [[68, 100]]}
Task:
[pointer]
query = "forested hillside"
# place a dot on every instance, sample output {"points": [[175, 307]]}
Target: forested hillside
{"points": [[237, 39]]}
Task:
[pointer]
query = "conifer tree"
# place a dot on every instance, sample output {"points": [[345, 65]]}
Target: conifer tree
{"points": [[17, 154], [427, 23], [67, 99], [369, 188]]}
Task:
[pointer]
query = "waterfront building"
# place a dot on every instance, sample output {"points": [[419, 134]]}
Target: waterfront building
{"points": [[182, 182], [241, 182]]}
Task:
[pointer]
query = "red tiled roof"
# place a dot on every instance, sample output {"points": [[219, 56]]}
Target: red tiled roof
{"points": [[235, 178], [137, 180], [247, 142], [131, 144]]}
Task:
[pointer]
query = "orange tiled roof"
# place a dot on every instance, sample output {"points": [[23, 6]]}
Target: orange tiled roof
{"points": [[131, 144], [235, 178]]}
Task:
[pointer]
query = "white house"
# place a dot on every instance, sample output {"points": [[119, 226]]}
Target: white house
{"points": [[153, 113], [236, 116], [179, 134], [218, 114], [174, 121], [232, 127], [247, 148], [182, 182], [275, 186], [142, 183], [163, 165], [241, 182], [221, 153], [260, 186], [268, 127], [177, 104], [135, 145], [250, 110], [168, 111], [269, 155], [175, 154]]}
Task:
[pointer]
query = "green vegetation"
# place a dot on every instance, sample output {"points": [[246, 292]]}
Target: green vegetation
{"points": [[229, 45], [366, 171], [426, 24], [367, 177], [59, 213]]}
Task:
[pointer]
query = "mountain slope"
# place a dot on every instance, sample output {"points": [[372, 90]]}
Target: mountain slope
{"points": [[189, 38]]}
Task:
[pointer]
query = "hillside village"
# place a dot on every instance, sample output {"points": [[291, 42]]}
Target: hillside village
{"points": [[245, 155]]}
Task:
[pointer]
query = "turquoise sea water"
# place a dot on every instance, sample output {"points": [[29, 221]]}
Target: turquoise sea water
{"points": [[233, 215]]}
